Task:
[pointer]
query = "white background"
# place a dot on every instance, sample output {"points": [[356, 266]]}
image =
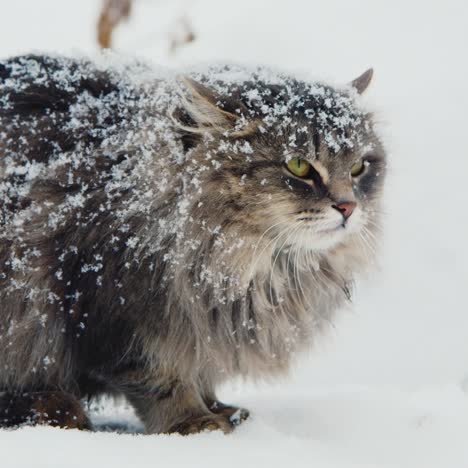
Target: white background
{"points": [[386, 388]]}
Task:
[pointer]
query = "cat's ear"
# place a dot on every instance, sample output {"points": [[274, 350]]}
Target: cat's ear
{"points": [[361, 83], [202, 105]]}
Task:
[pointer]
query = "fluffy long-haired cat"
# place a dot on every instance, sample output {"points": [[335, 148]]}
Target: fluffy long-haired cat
{"points": [[161, 234]]}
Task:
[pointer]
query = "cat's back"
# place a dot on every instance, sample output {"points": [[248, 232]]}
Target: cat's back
{"points": [[52, 105], [38, 94], [65, 123]]}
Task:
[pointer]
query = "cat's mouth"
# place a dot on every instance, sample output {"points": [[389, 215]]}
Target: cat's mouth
{"points": [[323, 232], [333, 230]]}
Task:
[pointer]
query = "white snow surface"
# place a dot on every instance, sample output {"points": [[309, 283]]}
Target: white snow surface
{"points": [[388, 387]]}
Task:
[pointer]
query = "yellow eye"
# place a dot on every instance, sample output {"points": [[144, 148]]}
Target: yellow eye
{"points": [[299, 167], [357, 169]]}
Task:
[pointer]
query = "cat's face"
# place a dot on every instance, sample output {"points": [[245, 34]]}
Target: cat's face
{"points": [[299, 165], [315, 198]]}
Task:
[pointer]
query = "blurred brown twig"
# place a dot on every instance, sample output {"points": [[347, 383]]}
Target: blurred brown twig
{"points": [[113, 12]]}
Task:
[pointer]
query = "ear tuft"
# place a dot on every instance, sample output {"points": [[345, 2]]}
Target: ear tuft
{"points": [[202, 106], [361, 83]]}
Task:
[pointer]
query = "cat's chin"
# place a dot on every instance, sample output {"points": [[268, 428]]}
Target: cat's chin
{"points": [[324, 240], [327, 239]]}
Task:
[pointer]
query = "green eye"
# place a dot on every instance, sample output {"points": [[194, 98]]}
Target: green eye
{"points": [[298, 167], [357, 169]]}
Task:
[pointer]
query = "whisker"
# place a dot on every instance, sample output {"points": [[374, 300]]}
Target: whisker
{"points": [[256, 260], [293, 230], [365, 243], [288, 263], [371, 235]]}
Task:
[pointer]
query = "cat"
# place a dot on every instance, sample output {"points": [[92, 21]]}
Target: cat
{"points": [[160, 234]]}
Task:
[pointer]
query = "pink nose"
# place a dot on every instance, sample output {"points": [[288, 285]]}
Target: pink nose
{"points": [[345, 208]]}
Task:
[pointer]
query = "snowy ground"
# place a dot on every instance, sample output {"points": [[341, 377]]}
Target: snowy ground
{"points": [[388, 387]]}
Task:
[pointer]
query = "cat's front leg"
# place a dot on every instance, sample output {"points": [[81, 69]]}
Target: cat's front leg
{"points": [[233, 414], [176, 407]]}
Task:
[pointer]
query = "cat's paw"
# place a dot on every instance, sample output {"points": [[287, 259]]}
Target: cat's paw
{"points": [[233, 414], [201, 424], [238, 416]]}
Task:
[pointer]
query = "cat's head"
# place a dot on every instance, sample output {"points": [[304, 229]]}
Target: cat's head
{"points": [[296, 163]]}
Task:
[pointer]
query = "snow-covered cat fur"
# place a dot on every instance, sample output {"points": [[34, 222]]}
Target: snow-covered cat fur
{"points": [[154, 241]]}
